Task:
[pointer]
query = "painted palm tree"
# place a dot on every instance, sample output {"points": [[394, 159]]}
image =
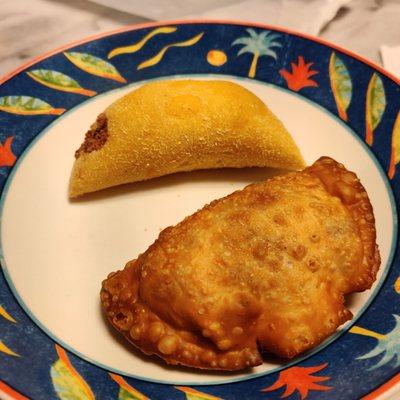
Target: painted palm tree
{"points": [[387, 346], [258, 44]]}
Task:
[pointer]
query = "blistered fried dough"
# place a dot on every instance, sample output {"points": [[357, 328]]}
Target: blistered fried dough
{"points": [[171, 126], [263, 269]]}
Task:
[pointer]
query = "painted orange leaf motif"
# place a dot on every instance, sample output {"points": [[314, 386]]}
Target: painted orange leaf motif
{"points": [[67, 382], [126, 391], [7, 157], [11, 392], [299, 77], [300, 379]]}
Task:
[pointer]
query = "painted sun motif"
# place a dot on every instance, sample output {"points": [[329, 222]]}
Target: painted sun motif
{"points": [[397, 285], [217, 58]]}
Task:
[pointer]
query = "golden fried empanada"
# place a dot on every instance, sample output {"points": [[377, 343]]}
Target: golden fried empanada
{"points": [[265, 268], [170, 126]]}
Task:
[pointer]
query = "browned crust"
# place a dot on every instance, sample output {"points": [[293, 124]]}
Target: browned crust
{"points": [[145, 330], [131, 316], [345, 184], [95, 137]]}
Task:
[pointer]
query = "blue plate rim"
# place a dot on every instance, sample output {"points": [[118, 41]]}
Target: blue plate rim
{"points": [[135, 27]]}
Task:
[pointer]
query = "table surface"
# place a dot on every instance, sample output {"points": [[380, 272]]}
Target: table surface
{"points": [[31, 27]]}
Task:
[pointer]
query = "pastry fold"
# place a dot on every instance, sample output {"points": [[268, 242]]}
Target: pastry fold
{"points": [[263, 269]]}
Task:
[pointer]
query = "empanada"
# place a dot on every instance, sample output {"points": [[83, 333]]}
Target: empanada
{"points": [[263, 269], [170, 126]]}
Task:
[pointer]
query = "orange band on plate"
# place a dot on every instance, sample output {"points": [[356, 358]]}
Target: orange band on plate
{"points": [[11, 392]]}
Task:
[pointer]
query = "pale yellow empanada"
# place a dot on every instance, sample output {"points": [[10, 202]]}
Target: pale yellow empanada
{"points": [[170, 126]]}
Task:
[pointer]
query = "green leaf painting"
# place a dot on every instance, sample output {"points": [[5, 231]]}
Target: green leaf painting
{"points": [[26, 105], [125, 395], [67, 382], [59, 81], [395, 156], [94, 65], [126, 391], [375, 106], [341, 85]]}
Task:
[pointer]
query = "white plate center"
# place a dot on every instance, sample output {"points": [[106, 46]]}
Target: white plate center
{"points": [[58, 252]]}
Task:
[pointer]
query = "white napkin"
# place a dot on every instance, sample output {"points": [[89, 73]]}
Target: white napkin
{"points": [[391, 59], [308, 16], [164, 9]]}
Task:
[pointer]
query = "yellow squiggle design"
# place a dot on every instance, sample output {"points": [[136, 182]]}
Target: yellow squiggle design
{"points": [[6, 315], [158, 57], [366, 332], [137, 46], [5, 349]]}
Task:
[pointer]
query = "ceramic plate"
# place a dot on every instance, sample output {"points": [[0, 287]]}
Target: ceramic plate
{"points": [[54, 342]]}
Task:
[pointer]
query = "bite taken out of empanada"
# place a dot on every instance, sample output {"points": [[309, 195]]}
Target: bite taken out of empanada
{"points": [[264, 269], [171, 126]]}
